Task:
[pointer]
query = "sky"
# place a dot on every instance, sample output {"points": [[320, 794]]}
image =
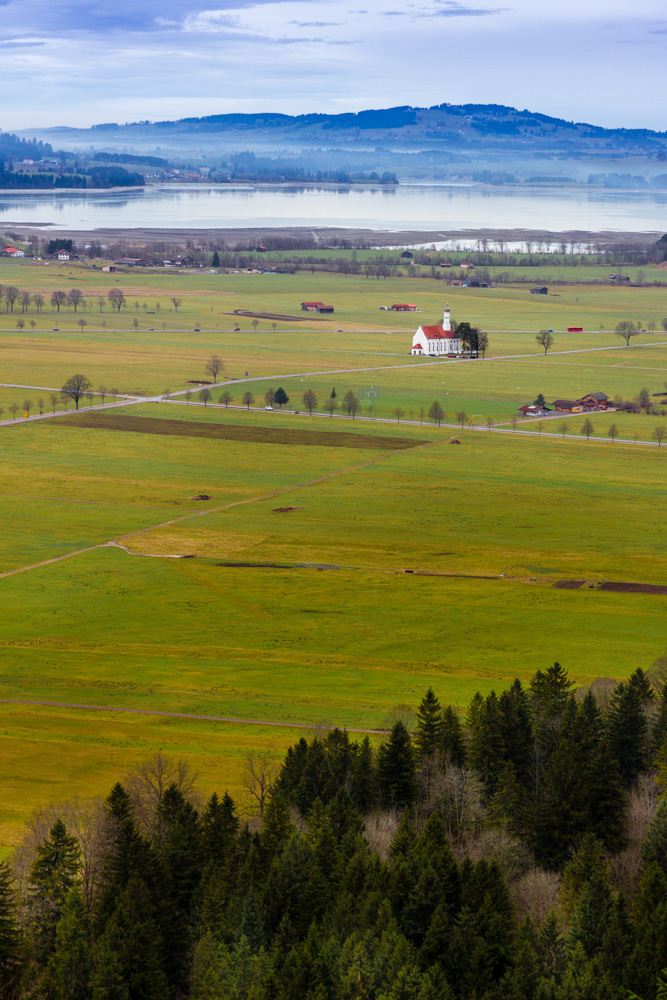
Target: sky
{"points": [[81, 62]]}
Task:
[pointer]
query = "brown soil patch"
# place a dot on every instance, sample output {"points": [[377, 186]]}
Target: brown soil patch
{"points": [[202, 496], [635, 588], [234, 432], [284, 510], [569, 584]]}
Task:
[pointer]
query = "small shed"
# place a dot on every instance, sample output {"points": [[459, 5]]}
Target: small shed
{"points": [[540, 290], [407, 255], [311, 306], [404, 307], [324, 309]]}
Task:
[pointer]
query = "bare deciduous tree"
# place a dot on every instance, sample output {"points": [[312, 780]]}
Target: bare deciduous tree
{"points": [[205, 396], [147, 783], [214, 366], [226, 397], [176, 302], [658, 433], [626, 330], [260, 770], [247, 399]]}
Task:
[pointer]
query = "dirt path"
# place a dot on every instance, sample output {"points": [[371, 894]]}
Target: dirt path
{"points": [[117, 542], [178, 715]]}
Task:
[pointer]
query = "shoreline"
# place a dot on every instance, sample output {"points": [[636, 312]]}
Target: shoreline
{"points": [[324, 236]]}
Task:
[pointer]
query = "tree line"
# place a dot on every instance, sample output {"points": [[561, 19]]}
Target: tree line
{"points": [[517, 853]]}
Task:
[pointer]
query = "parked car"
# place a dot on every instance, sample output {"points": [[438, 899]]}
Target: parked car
{"points": [[268, 407]]}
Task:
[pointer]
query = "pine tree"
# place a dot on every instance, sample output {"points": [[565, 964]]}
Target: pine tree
{"points": [[216, 260], [54, 872], [364, 783], [68, 970], [133, 934], [453, 745], [587, 862], [552, 948], [486, 741], [10, 940], [592, 914], [277, 826], [654, 848], [107, 980], [649, 955], [396, 769], [628, 732], [429, 725]]}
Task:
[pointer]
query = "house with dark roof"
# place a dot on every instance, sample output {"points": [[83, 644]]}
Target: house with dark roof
{"points": [[540, 290], [595, 400]]}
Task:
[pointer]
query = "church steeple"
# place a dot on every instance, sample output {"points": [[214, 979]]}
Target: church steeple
{"points": [[446, 320]]}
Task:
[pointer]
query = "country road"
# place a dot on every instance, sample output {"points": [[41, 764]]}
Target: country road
{"points": [[180, 715]]}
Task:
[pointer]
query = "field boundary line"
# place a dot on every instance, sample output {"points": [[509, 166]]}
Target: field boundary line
{"points": [[180, 715], [116, 542]]}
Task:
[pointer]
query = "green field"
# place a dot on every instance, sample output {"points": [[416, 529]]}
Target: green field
{"points": [[407, 561]]}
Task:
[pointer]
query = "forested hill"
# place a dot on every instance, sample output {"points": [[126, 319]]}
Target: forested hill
{"points": [[459, 126], [518, 854]]}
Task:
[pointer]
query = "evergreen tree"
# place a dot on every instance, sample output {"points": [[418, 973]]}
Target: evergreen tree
{"points": [[396, 769], [649, 955], [107, 980], [363, 780], [54, 872], [654, 848], [277, 826], [68, 970], [486, 742], [10, 940], [216, 260], [281, 397], [550, 693], [587, 862], [453, 744], [132, 933], [429, 725], [628, 732], [592, 914], [220, 827], [552, 949]]}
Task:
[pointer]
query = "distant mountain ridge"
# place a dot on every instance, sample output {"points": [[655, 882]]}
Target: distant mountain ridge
{"points": [[462, 126]]}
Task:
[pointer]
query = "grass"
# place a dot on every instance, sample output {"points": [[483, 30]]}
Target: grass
{"points": [[405, 562]]}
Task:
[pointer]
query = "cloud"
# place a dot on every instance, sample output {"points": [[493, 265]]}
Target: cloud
{"points": [[317, 24]]}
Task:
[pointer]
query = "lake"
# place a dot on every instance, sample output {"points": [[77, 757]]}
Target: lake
{"points": [[428, 207]]}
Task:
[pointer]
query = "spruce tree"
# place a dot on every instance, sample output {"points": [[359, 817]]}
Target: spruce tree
{"points": [[216, 260], [429, 725], [68, 970], [396, 769], [10, 940], [453, 744], [277, 826], [628, 732], [54, 872], [132, 933], [592, 914], [363, 778], [654, 847], [587, 862], [107, 980]]}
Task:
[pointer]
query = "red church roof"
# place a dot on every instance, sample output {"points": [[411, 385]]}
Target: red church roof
{"points": [[438, 333], [417, 347]]}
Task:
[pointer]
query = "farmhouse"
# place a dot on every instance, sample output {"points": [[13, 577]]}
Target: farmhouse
{"points": [[14, 252], [534, 410], [404, 307], [595, 401], [311, 307], [431, 341], [407, 255], [63, 255], [540, 290]]}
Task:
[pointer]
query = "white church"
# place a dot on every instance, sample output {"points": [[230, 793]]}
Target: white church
{"points": [[432, 341]]}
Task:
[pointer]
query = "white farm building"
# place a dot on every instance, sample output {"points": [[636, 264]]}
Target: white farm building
{"points": [[436, 340]]}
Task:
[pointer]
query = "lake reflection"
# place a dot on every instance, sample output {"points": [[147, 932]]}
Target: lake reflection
{"points": [[409, 206]]}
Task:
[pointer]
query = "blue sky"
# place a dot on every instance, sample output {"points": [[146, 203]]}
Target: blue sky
{"points": [[77, 62]]}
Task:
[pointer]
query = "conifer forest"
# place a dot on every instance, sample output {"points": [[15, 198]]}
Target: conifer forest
{"points": [[515, 852]]}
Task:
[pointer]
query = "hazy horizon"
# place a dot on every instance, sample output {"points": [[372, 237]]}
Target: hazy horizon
{"points": [[79, 63]]}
